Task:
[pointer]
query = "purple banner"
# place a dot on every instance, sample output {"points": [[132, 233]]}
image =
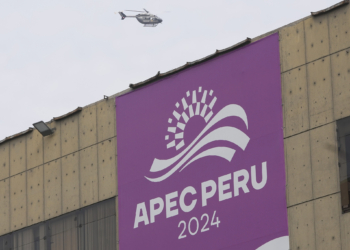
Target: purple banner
{"points": [[201, 158]]}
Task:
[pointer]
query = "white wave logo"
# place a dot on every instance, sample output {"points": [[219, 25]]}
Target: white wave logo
{"points": [[281, 243], [208, 135]]}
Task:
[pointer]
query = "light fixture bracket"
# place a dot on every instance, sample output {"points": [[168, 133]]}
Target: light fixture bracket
{"points": [[43, 129]]}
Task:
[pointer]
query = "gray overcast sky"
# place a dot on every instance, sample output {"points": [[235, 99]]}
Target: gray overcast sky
{"points": [[58, 55]]}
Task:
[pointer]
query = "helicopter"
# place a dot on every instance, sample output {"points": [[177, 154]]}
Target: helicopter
{"points": [[146, 18]]}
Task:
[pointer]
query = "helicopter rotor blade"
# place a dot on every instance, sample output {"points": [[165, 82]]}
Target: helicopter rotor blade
{"points": [[134, 10], [146, 10]]}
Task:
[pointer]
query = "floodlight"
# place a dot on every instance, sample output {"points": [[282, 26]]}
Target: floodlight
{"points": [[43, 129]]}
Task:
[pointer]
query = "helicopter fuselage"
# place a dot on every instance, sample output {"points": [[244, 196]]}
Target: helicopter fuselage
{"points": [[148, 19]]}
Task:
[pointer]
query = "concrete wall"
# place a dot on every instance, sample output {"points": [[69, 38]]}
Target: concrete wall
{"points": [[42, 178], [315, 65]]}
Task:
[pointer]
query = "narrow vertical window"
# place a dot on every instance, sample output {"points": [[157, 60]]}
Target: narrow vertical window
{"points": [[343, 132]]}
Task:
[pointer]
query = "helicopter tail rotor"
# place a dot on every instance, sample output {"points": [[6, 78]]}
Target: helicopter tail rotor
{"points": [[122, 15]]}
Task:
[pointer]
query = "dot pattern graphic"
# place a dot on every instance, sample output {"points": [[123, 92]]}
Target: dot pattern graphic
{"points": [[193, 104]]}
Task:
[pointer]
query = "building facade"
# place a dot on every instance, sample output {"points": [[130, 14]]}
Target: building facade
{"points": [[60, 191]]}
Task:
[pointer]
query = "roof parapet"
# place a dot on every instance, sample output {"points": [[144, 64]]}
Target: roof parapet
{"points": [[78, 109], [190, 64], [29, 130], [330, 8]]}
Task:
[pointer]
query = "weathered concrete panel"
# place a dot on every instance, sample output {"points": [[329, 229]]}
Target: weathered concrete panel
{"points": [[70, 182], [106, 119], [5, 206], [341, 87], [327, 223], [53, 186], [88, 176], [34, 149], [4, 160], [317, 38], [17, 155], [52, 143], [298, 161], [70, 135], [35, 191], [87, 127], [292, 43], [107, 169], [18, 201], [320, 92], [301, 227], [345, 230], [295, 101], [339, 24], [325, 169]]}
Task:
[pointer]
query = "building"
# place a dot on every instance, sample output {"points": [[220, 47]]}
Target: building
{"points": [[60, 191]]}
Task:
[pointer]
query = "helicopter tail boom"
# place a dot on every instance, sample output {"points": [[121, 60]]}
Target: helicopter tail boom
{"points": [[123, 15]]}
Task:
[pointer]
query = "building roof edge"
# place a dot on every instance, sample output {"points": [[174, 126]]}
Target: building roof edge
{"points": [[320, 12], [29, 130], [189, 64]]}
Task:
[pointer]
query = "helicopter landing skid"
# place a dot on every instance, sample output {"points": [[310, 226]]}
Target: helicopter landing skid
{"points": [[151, 25]]}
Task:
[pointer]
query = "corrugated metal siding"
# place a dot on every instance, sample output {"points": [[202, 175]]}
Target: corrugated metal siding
{"points": [[89, 228]]}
